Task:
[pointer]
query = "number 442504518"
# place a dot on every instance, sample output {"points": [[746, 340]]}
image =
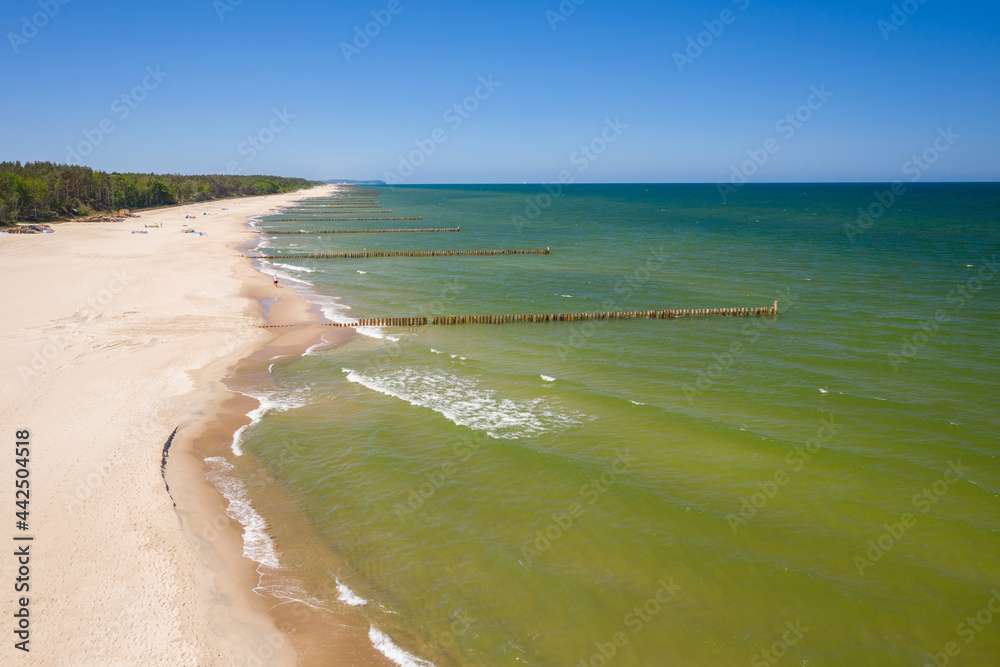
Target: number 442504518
{"points": [[22, 452]]}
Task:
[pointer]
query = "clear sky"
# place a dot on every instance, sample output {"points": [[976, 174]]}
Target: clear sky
{"points": [[201, 77]]}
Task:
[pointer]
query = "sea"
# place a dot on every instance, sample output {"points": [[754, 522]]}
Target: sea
{"points": [[815, 487]]}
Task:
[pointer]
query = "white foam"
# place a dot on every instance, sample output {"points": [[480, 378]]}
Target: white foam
{"points": [[312, 350], [347, 596], [823, 391], [387, 648], [277, 400], [453, 356], [636, 403], [330, 306], [462, 401], [295, 268], [375, 332], [269, 269], [547, 378], [567, 296], [362, 272], [335, 311], [257, 545]]}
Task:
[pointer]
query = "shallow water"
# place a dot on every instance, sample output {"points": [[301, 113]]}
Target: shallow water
{"points": [[821, 485]]}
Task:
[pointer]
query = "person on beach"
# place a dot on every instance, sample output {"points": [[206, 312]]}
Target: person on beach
{"points": [[276, 281]]}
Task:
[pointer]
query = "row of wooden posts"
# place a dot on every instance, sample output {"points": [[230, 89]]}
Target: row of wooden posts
{"points": [[362, 231], [354, 196], [429, 253], [545, 317], [350, 204], [325, 200], [470, 319], [336, 219]]}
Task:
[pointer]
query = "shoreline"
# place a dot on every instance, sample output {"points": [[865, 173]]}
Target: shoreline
{"points": [[303, 633], [316, 636], [133, 563]]}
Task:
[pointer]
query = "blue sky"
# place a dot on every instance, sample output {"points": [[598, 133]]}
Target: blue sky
{"points": [[278, 73]]}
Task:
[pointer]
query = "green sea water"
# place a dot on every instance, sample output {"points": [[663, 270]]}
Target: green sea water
{"points": [[816, 488]]}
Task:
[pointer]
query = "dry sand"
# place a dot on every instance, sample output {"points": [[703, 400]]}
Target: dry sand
{"points": [[109, 341]]}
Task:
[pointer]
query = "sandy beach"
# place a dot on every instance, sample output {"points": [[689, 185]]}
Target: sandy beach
{"points": [[111, 341]]}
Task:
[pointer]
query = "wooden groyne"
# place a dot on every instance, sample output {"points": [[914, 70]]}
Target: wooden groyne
{"points": [[429, 253], [363, 231], [373, 204], [322, 201], [336, 202], [545, 317], [336, 219], [614, 315]]}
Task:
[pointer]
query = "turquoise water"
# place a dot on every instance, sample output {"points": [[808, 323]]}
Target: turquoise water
{"points": [[819, 487]]}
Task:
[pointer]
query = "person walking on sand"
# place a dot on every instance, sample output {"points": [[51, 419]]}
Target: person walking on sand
{"points": [[276, 281]]}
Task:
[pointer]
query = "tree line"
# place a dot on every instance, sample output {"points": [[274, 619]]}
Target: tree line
{"points": [[40, 191]]}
